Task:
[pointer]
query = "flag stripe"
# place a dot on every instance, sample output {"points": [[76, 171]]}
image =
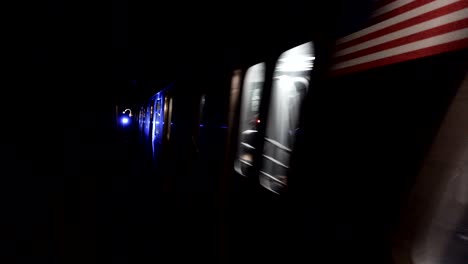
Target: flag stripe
{"points": [[441, 20], [446, 47], [454, 7], [403, 30], [400, 10], [381, 3], [391, 6], [400, 18], [401, 41], [421, 44]]}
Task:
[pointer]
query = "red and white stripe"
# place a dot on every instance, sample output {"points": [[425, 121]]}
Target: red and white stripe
{"points": [[402, 30]]}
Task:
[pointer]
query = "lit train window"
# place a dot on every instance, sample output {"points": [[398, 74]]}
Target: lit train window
{"points": [[290, 85], [169, 118], [201, 116], [158, 117], [148, 118], [141, 119], [158, 105], [249, 114], [158, 120]]}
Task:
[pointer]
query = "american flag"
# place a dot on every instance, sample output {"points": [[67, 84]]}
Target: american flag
{"points": [[401, 30]]}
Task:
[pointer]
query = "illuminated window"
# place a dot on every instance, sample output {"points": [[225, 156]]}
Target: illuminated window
{"points": [[148, 119], [141, 119], [158, 117], [158, 105], [160, 109], [169, 119], [249, 117], [201, 116], [290, 85]]}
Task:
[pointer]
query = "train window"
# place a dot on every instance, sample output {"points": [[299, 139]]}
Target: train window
{"points": [[249, 117], [148, 116], [158, 117], [169, 119], [158, 105], [201, 111], [151, 112], [141, 119], [290, 85]]}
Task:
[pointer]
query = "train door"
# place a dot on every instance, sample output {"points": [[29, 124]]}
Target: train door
{"points": [[290, 85], [249, 119], [274, 214]]}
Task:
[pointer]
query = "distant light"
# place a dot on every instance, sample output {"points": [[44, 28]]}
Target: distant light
{"points": [[201, 125], [157, 122], [258, 121], [125, 120]]}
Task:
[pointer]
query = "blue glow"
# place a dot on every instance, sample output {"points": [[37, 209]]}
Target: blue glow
{"points": [[124, 120], [157, 122], [201, 125]]}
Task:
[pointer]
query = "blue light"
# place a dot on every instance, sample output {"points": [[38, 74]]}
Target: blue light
{"points": [[124, 120]]}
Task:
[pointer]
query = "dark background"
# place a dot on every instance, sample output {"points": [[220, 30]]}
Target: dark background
{"points": [[69, 63]]}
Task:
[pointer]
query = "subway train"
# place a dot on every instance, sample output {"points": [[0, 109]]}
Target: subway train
{"points": [[291, 82], [154, 119], [260, 132], [317, 142]]}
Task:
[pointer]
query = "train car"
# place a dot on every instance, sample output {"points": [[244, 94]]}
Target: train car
{"points": [[162, 120], [362, 112], [300, 144], [154, 120]]}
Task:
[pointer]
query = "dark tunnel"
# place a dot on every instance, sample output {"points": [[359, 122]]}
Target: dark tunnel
{"points": [[236, 132]]}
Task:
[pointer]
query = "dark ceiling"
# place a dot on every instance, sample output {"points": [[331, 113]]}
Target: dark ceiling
{"points": [[121, 43], [156, 41]]}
